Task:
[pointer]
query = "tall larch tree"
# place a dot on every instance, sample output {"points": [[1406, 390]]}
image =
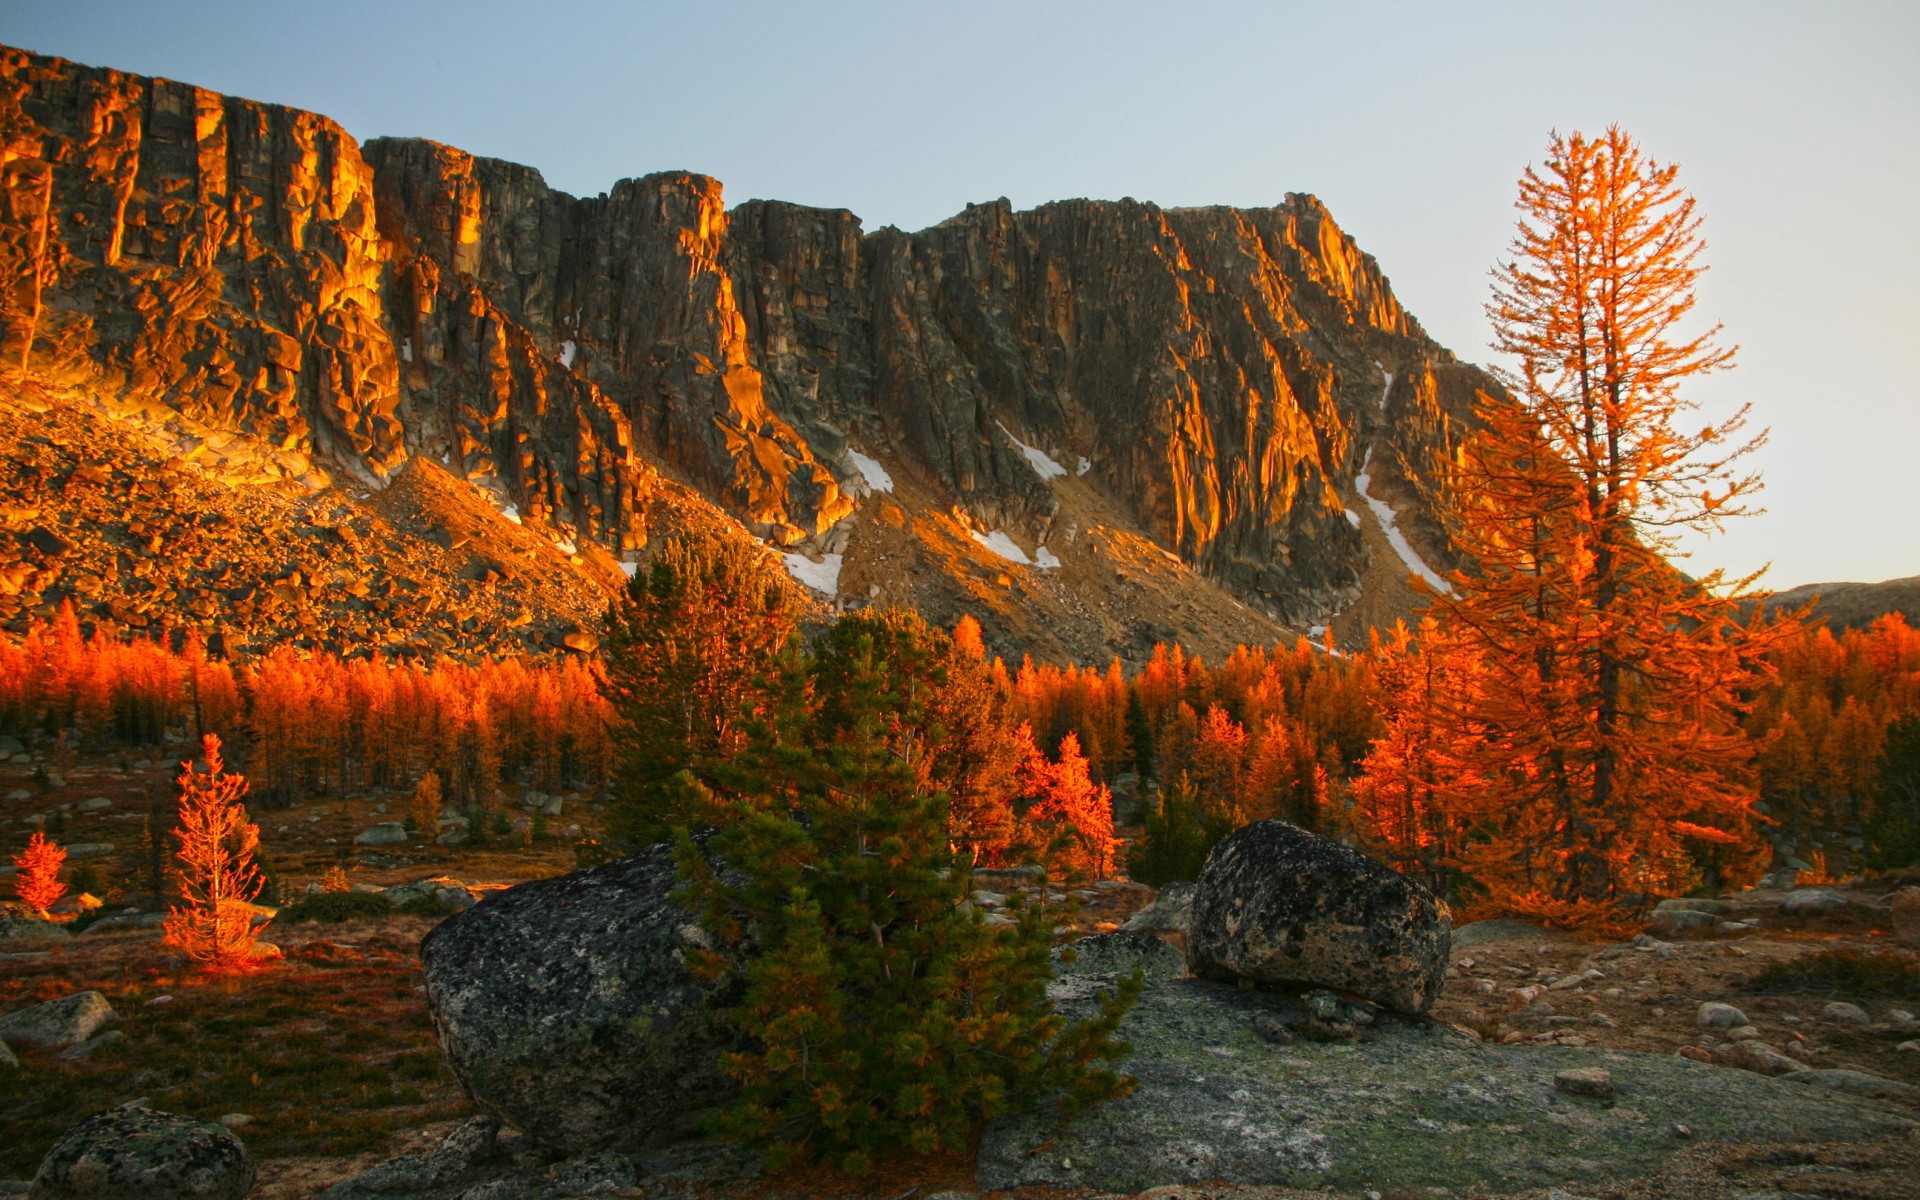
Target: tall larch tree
{"points": [[1607, 730]]}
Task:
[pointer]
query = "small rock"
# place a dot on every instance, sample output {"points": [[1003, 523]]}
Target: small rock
{"points": [[1911, 1047], [1714, 1015], [1696, 1053], [57, 1024], [1170, 912], [1594, 1083], [1680, 920], [1759, 1057], [236, 1120], [1742, 1033], [1841, 1013], [96, 803], [130, 1152]]}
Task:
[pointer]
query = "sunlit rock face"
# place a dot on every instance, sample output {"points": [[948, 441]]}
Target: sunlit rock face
{"points": [[1217, 374]]}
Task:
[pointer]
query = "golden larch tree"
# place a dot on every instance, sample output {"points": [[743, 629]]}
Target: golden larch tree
{"points": [[219, 880], [37, 882], [1604, 724]]}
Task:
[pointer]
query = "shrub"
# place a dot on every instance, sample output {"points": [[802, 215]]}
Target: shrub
{"points": [[331, 908], [1176, 838], [424, 811], [879, 1013], [213, 923], [38, 881]]}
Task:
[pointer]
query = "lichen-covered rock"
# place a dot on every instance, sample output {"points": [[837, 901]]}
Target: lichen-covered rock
{"points": [[1170, 912], [130, 1152], [1276, 904], [566, 1009], [57, 1024], [1410, 1107]]}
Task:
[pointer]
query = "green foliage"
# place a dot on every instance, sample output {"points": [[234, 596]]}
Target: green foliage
{"points": [[1139, 734], [1176, 838], [331, 908], [422, 906], [879, 1012], [685, 649], [500, 825], [1893, 825], [1890, 973]]}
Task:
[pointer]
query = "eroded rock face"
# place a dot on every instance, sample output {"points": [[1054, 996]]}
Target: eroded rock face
{"points": [[1216, 375], [1276, 904], [566, 1010], [139, 1152]]}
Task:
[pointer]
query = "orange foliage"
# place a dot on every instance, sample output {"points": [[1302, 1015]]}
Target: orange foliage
{"points": [[219, 880], [38, 880], [1062, 800]]}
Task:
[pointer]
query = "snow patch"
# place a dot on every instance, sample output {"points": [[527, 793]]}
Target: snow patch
{"points": [[630, 569], [567, 350], [1383, 512], [1004, 546], [1042, 465], [870, 470], [1085, 465], [406, 349], [1045, 559], [1353, 518], [565, 545], [822, 576], [510, 512], [1385, 387]]}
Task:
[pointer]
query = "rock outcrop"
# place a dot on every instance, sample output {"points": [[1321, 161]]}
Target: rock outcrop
{"points": [[1070, 376], [1276, 904], [566, 1009], [57, 1024], [139, 1152]]}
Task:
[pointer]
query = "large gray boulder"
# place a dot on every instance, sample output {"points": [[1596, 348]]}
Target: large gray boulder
{"points": [[566, 1009], [57, 1024], [1276, 904], [130, 1152]]}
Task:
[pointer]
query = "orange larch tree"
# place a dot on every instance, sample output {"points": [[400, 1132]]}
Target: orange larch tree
{"points": [[1606, 732], [38, 880], [219, 880]]}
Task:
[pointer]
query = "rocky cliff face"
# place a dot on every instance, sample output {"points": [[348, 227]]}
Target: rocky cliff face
{"points": [[1069, 378]]}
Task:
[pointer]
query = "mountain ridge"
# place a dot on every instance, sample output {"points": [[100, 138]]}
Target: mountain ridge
{"points": [[1209, 380]]}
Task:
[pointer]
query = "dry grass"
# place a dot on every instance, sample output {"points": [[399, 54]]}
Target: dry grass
{"points": [[330, 1052]]}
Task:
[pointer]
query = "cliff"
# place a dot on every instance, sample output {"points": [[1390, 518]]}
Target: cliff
{"points": [[1082, 379]]}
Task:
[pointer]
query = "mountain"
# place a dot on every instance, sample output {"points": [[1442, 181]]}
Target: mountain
{"points": [[1093, 424]]}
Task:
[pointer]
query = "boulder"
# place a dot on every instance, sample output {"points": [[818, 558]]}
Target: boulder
{"points": [[566, 1009], [1905, 908], [1699, 904], [1812, 902], [1276, 904], [1715, 1015], [139, 1152], [57, 1024], [1668, 922], [386, 833], [18, 922], [1757, 1056], [1839, 1012]]}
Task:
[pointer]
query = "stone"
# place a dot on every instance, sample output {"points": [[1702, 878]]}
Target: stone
{"points": [[128, 1152], [1593, 1083], [1841, 1013], [1717, 908], [1812, 902], [1672, 921], [20, 923], [386, 833], [1118, 954], [57, 1024], [7, 1060], [1170, 912], [566, 1010], [1278, 905], [1504, 929], [1904, 911], [96, 803], [1757, 1056], [472, 1142], [1715, 1015]]}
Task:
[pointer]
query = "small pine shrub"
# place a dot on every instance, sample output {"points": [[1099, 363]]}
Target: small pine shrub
{"points": [[1176, 838], [331, 908], [335, 880]]}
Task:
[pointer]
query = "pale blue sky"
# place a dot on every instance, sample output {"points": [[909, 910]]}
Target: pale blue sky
{"points": [[1797, 126]]}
